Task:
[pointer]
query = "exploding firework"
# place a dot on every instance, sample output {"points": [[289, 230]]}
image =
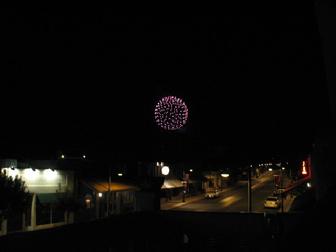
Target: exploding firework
{"points": [[171, 113]]}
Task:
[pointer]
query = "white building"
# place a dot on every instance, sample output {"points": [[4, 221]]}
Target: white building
{"points": [[48, 183]]}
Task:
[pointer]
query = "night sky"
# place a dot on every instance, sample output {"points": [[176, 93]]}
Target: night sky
{"points": [[87, 82]]}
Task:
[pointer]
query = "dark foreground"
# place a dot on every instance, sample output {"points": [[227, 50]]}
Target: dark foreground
{"points": [[167, 231]]}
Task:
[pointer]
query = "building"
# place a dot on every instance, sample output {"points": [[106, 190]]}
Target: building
{"points": [[51, 187], [102, 198]]}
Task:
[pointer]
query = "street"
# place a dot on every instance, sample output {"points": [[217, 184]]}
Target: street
{"points": [[234, 199]]}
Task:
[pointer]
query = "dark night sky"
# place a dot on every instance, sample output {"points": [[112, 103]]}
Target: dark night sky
{"points": [[88, 81]]}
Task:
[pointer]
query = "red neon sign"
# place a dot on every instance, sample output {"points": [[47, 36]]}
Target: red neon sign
{"points": [[304, 168]]}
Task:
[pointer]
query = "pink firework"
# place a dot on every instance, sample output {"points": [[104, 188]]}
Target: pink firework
{"points": [[171, 113]]}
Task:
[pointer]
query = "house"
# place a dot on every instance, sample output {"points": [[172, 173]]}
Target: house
{"points": [[101, 198]]}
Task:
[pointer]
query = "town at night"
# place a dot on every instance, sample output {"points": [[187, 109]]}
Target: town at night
{"points": [[168, 133]]}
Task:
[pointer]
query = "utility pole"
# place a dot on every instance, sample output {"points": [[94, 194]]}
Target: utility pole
{"points": [[249, 190], [281, 191], [108, 193]]}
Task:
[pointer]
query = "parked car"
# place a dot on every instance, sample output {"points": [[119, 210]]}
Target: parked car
{"points": [[212, 193], [272, 202]]}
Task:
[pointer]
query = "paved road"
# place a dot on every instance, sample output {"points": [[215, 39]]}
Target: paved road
{"points": [[235, 200]]}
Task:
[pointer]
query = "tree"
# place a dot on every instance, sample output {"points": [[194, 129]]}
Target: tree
{"points": [[13, 194]]}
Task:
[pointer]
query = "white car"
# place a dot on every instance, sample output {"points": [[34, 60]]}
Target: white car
{"points": [[272, 202], [211, 194]]}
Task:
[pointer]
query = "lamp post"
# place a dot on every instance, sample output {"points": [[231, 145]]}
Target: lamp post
{"points": [[108, 193], [281, 191], [185, 185], [99, 195], [165, 172], [249, 191]]}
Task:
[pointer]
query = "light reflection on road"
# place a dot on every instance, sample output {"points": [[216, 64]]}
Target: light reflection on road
{"points": [[230, 200]]}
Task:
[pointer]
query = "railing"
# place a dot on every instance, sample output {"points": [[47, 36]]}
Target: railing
{"points": [[164, 231]]}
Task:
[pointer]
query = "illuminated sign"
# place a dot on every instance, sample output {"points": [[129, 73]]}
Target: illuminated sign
{"points": [[304, 168]]}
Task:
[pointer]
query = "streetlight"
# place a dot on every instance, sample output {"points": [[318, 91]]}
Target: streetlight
{"points": [[191, 170], [165, 170], [98, 202], [249, 190], [62, 156], [108, 195], [281, 185], [225, 175]]}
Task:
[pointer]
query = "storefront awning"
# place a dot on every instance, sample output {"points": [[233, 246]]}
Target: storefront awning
{"points": [[103, 186]]}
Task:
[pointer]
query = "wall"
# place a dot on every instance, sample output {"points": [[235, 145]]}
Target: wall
{"points": [[44, 181]]}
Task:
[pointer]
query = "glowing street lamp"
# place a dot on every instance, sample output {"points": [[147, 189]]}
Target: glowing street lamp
{"points": [[165, 170], [100, 195], [225, 175]]}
